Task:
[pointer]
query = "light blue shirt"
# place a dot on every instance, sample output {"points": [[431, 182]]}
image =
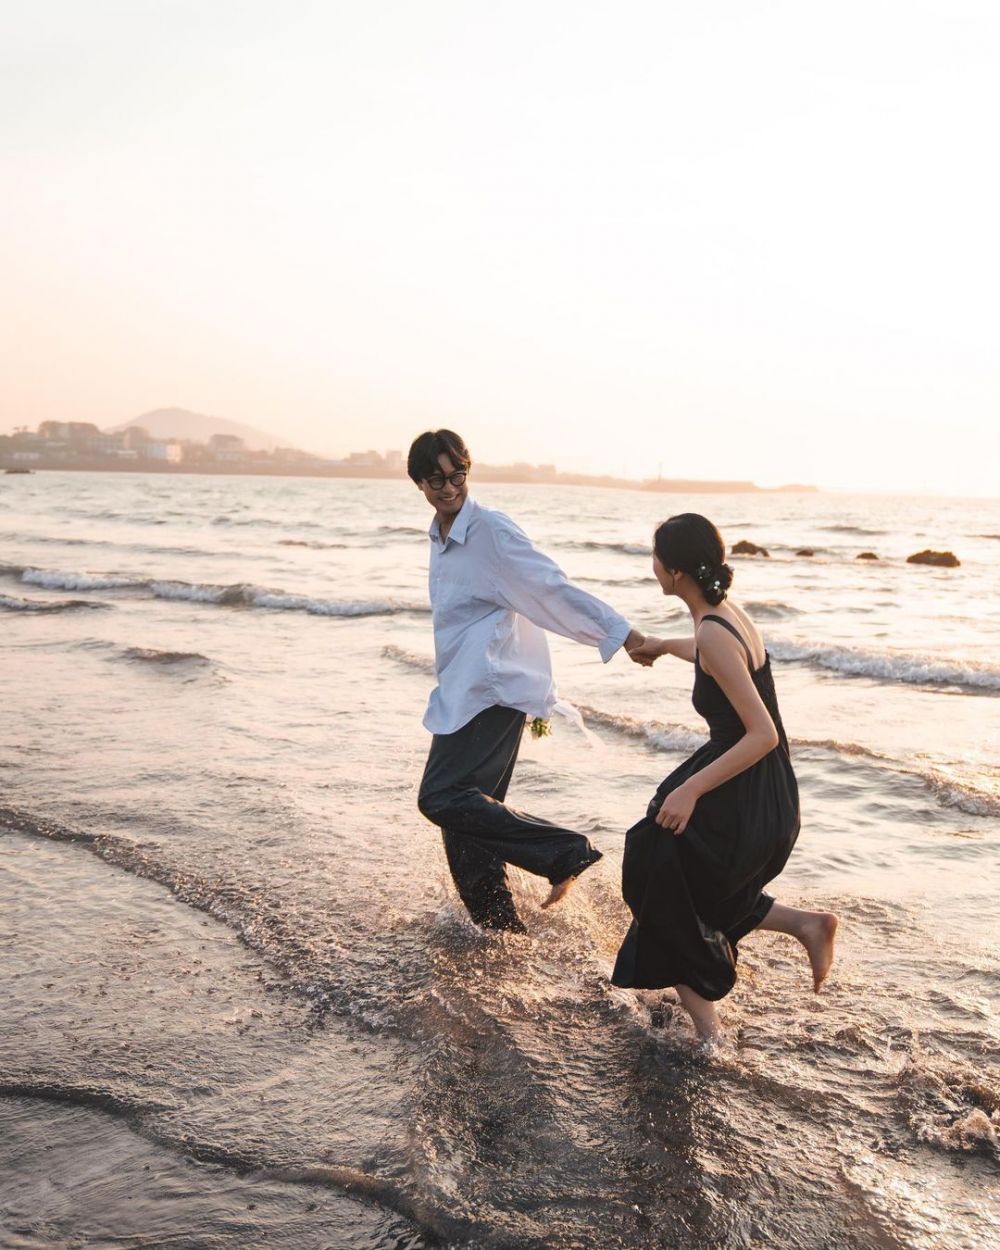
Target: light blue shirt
{"points": [[493, 595]]}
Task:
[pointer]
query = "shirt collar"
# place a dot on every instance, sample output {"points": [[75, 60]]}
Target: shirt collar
{"points": [[459, 527]]}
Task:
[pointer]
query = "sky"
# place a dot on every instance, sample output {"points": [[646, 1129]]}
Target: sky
{"points": [[739, 240]]}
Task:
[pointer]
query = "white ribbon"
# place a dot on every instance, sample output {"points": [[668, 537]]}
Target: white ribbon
{"points": [[565, 709]]}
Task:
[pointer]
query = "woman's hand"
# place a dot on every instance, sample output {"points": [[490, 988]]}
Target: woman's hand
{"points": [[676, 809], [647, 652]]}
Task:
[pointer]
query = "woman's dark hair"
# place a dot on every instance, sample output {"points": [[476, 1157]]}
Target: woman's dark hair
{"points": [[424, 451], [691, 544]]}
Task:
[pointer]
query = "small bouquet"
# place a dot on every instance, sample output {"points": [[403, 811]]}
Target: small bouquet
{"points": [[540, 728]]}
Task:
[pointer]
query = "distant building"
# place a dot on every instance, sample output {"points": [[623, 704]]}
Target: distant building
{"points": [[170, 450], [134, 438], [364, 459], [105, 444], [393, 459], [227, 448]]}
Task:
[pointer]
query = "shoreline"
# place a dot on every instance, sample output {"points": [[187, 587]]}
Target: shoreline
{"points": [[484, 473]]}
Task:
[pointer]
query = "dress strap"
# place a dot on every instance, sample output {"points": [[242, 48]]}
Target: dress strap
{"points": [[735, 633]]}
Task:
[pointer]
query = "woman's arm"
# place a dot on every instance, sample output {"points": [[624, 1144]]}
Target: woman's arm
{"points": [[653, 648], [723, 657]]}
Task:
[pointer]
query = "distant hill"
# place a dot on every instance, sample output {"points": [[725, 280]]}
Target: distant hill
{"points": [[179, 423]]}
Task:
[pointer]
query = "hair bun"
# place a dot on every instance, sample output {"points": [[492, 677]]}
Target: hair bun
{"points": [[714, 580]]}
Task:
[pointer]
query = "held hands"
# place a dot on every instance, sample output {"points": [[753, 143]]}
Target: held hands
{"points": [[646, 652], [676, 809]]}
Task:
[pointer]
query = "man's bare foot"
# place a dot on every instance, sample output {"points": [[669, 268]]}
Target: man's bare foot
{"points": [[561, 888], [817, 936], [559, 892]]}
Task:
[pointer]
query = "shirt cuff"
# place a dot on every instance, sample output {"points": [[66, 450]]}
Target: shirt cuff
{"points": [[614, 640]]}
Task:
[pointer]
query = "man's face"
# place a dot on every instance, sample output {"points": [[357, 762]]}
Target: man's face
{"points": [[443, 496]]}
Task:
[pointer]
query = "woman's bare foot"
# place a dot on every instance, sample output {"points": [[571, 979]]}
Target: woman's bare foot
{"points": [[816, 931], [703, 1015], [817, 936]]}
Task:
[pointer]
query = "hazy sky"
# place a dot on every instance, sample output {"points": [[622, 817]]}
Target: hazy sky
{"points": [[750, 240]]}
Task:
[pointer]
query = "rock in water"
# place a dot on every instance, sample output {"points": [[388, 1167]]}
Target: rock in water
{"points": [[744, 548], [942, 559], [866, 555], [805, 551]]}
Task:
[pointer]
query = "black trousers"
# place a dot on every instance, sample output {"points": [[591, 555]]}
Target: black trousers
{"points": [[463, 790]]}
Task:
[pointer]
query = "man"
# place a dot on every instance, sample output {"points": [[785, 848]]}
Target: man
{"points": [[492, 596]]}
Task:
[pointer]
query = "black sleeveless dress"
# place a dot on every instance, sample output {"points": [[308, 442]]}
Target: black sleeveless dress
{"points": [[693, 896]]}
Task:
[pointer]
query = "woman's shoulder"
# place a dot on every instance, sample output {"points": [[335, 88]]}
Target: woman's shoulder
{"points": [[730, 621]]}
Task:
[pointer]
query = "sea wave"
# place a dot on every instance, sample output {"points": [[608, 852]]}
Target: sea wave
{"points": [[240, 594], [313, 545], [155, 549], [950, 1103], [961, 795], [852, 529], [947, 790], [11, 603], [246, 595], [150, 655], [80, 581], [772, 609], [884, 666], [61, 540], [144, 1116], [419, 663], [643, 582], [795, 548], [410, 531], [266, 522], [628, 549], [658, 734]]}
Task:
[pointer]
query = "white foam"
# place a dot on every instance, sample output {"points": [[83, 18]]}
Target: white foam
{"points": [[332, 607], [662, 737], [914, 670], [278, 600], [189, 592], [78, 581]]}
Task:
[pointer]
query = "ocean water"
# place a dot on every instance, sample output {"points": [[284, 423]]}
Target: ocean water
{"points": [[241, 1006]]}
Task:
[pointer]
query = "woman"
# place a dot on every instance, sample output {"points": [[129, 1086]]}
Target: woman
{"points": [[723, 824]]}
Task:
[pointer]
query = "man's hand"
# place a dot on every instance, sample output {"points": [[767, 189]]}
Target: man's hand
{"points": [[634, 640], [646, 652]]}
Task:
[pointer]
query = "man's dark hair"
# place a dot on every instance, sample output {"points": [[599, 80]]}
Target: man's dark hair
{"points": [[424, 451]]}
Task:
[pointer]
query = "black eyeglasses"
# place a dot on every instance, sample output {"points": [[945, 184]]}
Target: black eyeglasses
{"points": [[437, 480]]}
